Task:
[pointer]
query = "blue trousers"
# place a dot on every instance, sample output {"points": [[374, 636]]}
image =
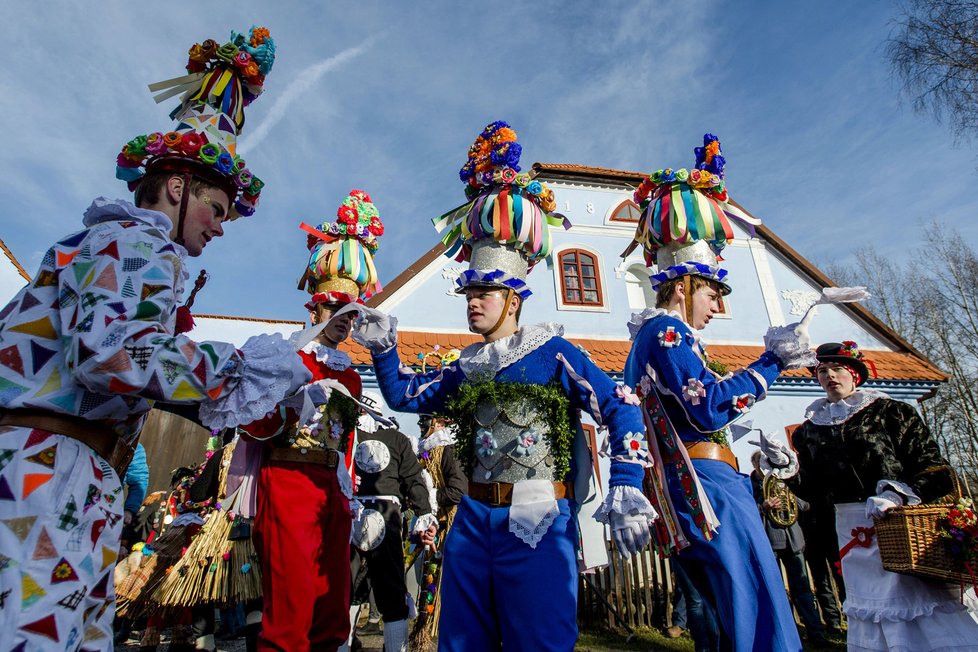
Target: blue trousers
{"points": [[499, 593], [736, 572]]}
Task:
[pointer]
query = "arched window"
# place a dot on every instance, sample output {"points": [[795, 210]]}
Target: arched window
{"points": [[580, 283], [627, 211]]}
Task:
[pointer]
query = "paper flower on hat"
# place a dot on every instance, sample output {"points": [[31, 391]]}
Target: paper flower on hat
{"points": [[341, 264], [485, 442], [504, 205], [221, 81], [680, 207], [437, 357]]}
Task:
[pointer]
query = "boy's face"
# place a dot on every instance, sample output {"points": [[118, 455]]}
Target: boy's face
{"points": [[206, 213], [706, 303], [483, 307], [338, 329]]}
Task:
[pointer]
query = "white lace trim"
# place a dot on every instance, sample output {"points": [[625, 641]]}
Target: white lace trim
{"points": [[824, 413], [878, 614], [638, 319], [264, 377], [332, 358], [626, 501], [442, 437], [533, 510], [486, 359], [429, 482]]}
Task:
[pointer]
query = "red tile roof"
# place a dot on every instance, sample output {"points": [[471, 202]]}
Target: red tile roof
{"points": [[610, 355]]}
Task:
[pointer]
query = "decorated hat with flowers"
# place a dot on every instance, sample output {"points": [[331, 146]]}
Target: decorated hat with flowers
{"points": [[221, 82], [341, 254], [685, 221], [503, 229], [846, 354]]}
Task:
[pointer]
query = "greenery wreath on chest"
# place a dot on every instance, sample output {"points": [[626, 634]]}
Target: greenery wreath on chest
{"points": [[549, 401]]}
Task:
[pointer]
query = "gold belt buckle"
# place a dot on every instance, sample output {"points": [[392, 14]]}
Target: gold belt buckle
{"points": [[495, 498]]}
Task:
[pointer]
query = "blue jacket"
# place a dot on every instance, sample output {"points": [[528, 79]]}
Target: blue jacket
{"points": [[137, 480]]}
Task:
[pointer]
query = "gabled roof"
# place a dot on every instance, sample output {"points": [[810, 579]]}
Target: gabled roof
{"points": [[610, 355], [10, 256]]}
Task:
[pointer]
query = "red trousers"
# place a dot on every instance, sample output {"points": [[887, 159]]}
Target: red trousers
{"points": [[302, 534]]}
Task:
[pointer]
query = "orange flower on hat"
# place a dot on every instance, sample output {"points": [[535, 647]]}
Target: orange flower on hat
{"points": [[258, 36]]}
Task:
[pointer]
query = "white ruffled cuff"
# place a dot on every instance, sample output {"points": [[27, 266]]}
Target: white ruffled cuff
{"points": [[424, 522], [378, 336], [627, 501], [793, 348], [265, 378], [902, 489]]}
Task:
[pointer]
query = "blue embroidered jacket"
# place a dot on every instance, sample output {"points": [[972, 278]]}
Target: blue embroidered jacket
{"points": [[665, 346], [552, 361]]}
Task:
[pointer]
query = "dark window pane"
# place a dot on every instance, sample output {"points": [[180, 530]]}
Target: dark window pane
{"points": [[590, 296], [587, 270], [573, 295], [571, 282], [589, 284], [570, 270]]}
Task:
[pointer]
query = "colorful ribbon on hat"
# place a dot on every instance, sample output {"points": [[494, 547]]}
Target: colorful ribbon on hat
{"points": [[507, 214], [335, 256]]}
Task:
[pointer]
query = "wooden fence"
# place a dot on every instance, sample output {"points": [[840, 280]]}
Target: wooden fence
{"points": [[632, 592], [171, 441]]}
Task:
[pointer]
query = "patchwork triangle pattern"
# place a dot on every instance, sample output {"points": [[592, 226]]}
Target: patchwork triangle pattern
{"points": [[20, 526], [47, 627], [10, 358], [5, 492], [33, 481], [100, 590], [30, 590], [45, 547], [28, 302], [39, 327], [63, 572], [40, 356], [45, 457]]}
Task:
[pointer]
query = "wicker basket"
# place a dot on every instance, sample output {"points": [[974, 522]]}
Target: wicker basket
{"points": [[910, 542]]}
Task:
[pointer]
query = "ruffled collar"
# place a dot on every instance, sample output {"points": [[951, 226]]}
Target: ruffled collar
{"points": [[824, 413], [108, 210], [441, 437], [332, 358], [486, 359], [638, 319]]}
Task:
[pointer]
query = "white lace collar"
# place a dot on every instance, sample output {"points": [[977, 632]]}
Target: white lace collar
{"points": [[486, 359], [441, 437], [824, 413], [332, 358], [638, 319]]}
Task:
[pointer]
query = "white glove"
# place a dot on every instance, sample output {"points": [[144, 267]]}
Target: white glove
{"points": [[629, 532], [375, 330], [300, 375], [877, 506], [792, 344]]}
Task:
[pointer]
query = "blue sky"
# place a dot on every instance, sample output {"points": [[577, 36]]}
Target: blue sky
{"points": [[387, 97]]}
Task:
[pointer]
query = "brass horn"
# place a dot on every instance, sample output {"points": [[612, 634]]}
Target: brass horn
{"points": [[787, 514]]}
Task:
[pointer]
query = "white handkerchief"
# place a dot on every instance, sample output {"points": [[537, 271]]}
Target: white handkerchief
{"points": [[533, 510]]}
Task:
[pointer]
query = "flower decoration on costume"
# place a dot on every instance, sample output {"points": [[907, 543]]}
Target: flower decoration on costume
{"points": [[693, 391], [245, 568], [624, 392], [743, 403], [636, 446], [485, 442], [527, 441], [851, 349], [341, 265], [645, 386], [221, 81], [669, 338]]}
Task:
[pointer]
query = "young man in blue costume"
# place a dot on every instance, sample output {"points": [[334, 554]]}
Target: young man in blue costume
{"points": [[709, 518], [512, 553]]}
